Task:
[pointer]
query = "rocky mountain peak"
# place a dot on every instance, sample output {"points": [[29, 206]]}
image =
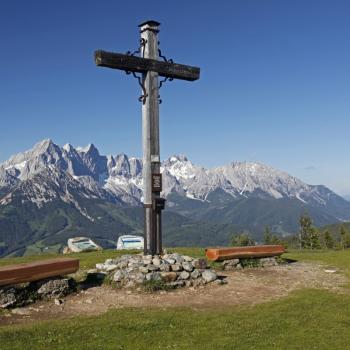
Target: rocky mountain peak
{"points": [[121, 176], [178, 158], [90, 150], [68, 148]]}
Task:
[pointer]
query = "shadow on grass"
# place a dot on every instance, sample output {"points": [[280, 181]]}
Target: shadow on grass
{"points": [[95, 279]]}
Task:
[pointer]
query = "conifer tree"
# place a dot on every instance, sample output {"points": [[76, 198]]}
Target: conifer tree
{"points": [[344, 237], [314, 238], [267, 235], [305, 231], [329, 242], [242, 240], [342, 233]]}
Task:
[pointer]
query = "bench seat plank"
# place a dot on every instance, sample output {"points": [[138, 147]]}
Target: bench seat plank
{"points": [[27, 272], [260, 251]]}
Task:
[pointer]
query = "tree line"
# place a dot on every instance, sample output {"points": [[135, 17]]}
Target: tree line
{"points": [[308, 237]]}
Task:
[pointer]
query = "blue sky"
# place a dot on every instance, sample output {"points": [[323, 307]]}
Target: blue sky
{"points": [[274, 84]]}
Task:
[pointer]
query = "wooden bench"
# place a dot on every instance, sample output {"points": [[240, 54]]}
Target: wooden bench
{"points": [[27, 272], [259, 251]]}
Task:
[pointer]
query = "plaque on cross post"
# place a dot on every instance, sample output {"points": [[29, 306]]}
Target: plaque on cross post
{"points": [[151, 64]]}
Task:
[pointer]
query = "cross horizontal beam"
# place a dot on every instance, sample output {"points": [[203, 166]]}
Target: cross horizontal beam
{"points": [[141, 65]]}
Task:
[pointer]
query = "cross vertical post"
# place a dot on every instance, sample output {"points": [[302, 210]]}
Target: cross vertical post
{"points": [[150, 138]]}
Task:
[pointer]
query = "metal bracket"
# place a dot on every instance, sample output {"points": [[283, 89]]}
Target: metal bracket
{"points": [[144, 95], [142, 47], [161, 82], [163, 57]]}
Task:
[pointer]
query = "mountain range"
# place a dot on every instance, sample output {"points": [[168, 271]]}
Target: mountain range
{"points": [[50, 193]]}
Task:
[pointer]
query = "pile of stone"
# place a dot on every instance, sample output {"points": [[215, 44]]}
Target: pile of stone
{"points": [[238, 264], [27, 293], [174, 270]]}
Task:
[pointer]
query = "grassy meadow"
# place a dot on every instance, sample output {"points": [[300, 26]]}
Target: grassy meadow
{"points": [[90, 259], [306, 319]]}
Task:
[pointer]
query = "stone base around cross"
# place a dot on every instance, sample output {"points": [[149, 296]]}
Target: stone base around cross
{"points": [[171, 270]]}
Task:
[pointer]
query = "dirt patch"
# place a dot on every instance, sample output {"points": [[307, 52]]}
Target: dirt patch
{"points": [[245, 287]]}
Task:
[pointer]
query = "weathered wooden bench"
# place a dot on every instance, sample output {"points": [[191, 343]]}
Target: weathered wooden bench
{"points": [[259, 251], [27, 272]]}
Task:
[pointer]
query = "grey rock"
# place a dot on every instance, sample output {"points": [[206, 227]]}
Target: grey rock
{"points": [[134, 260], [110, 267], [179, 259], [177, 284], [188, 283], [165, 267], [58, 302], [184, 275], [170, 261], [130, 269], [136, 265], [187, 266], [200, 264], [198, 282], [122, 264], [7, 298], [153, 276], [54, 287], [176, 267], [220, 282], [265, 262], [209, 276], [100, 266], [239, 267], [187, 258], [130, 284], [232, 262], [195, 274], [156, 262], [119, 276], [147, 261], [138, 277], [143, 269], [152, 268]]}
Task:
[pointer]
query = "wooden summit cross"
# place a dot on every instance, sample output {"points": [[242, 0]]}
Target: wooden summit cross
{"points": [[149, 65]]}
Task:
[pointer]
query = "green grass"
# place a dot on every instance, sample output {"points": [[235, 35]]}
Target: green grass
{"points": [[306, 320], [334, 258], [90, 259], [87, 260]]}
